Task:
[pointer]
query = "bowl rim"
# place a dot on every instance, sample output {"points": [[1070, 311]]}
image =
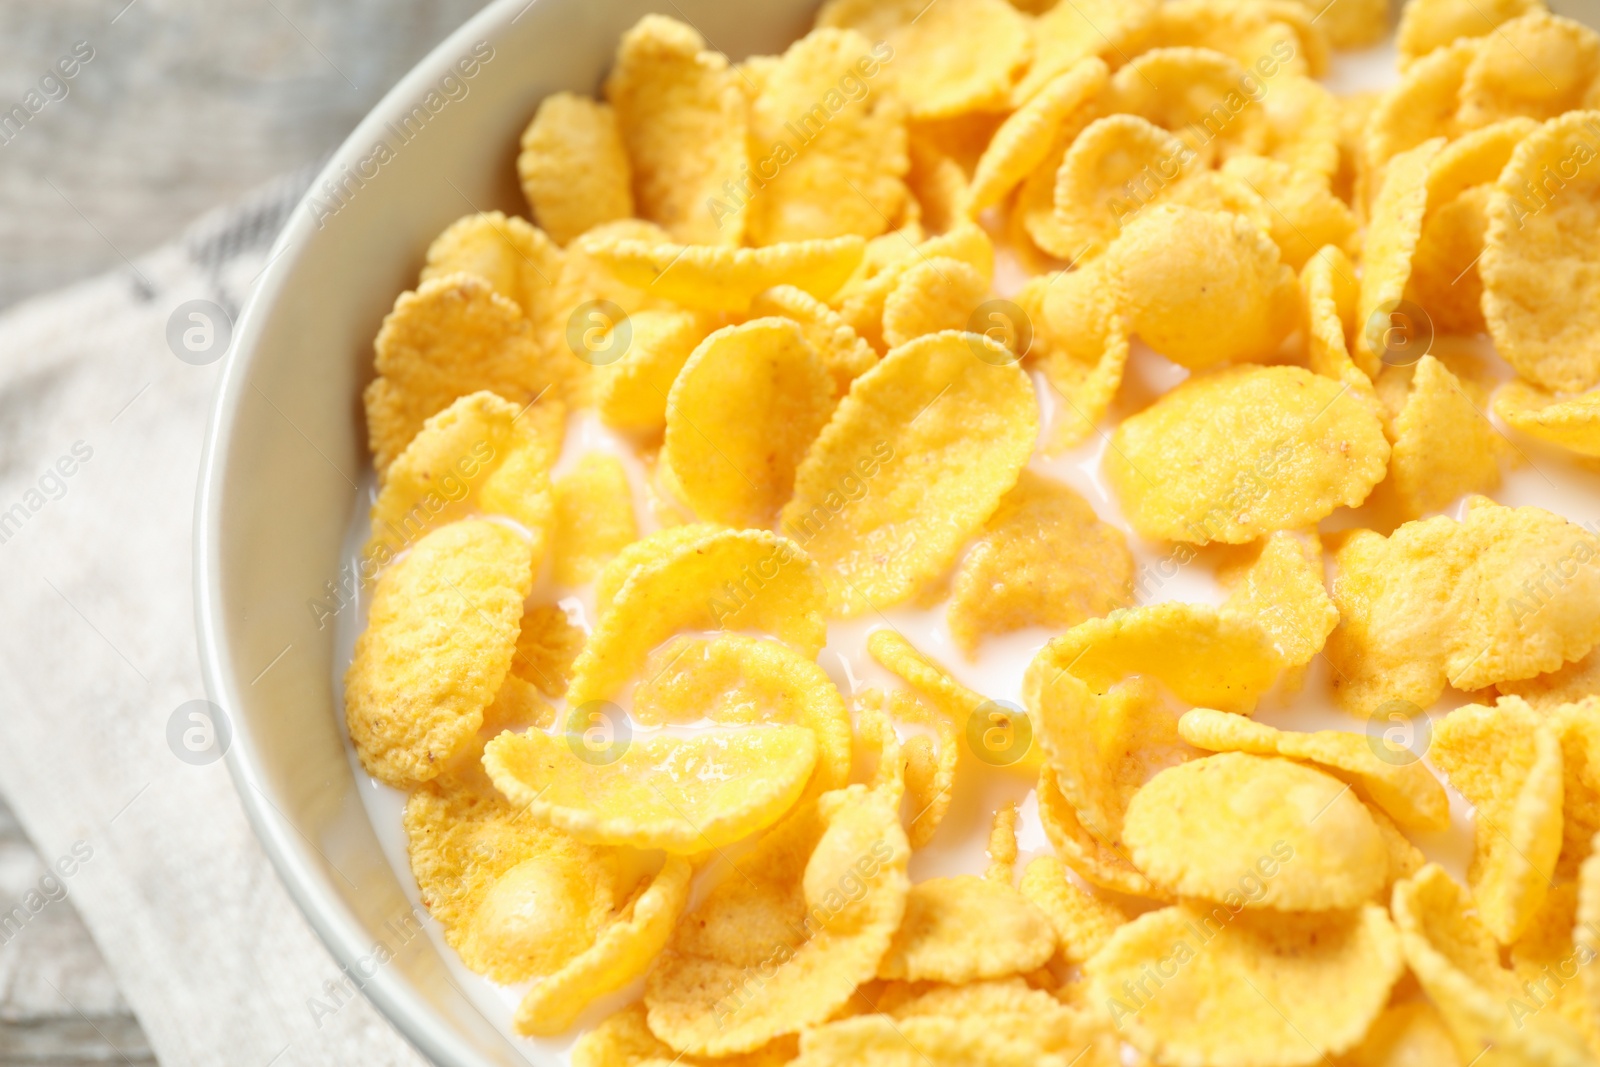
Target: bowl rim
{"points": [[411, 1015]]}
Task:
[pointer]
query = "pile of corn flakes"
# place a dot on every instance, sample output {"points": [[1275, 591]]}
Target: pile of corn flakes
{"points": [[776, 282]]}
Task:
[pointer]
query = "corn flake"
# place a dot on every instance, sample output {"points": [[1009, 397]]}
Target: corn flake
{"points": [[1427, 25], [439, 640], [913, 462], [682, 113], [839, 155], [1393, 230], [1405, 1035], [683, 795], [735, 680], [622, 952], [1539, 66], [451, 337], [1458, 965], [782, 943], [593, 518], [1247, 307], [937, 294], [1538, 269], [1507, 763], [966, 928], [844, 353], [1570, 424], [1111, 169], [720, 278], [1277, 990], [1442, 601], [479, 455], [1243, 452], [1255, 832], [707, 579], [740, 417], [949, 59], [1305, 215], [573, 166], [1082, 337], [1096, 862], [1331, 291], [1083, 922], [631, 393], [1407, 791], [1043, 559], [1024, 140]]}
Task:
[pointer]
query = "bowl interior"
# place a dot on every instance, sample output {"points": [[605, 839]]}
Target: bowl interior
{"points": [[287, 447]]}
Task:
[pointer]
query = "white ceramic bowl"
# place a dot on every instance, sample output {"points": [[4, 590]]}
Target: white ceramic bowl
{"points": [[287, 445]]}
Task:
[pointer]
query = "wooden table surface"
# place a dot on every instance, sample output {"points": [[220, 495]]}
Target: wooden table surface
{"points": [[182, 106]]}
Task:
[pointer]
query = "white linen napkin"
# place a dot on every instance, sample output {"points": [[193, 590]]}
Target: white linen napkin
{"points": [[101, 427]]}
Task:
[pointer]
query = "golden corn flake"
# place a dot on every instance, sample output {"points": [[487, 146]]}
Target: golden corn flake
{"points": [[1201, 95], [1569, 684], [1348, 24], [1405, 858], [1538, 271], [547, 643], [454, 336], [631, 393], [439, 639], [479, 455], [710, 579], [1421, 107], [593, 518], [740, 417], [939, 190], [1331, 291], [781, 943], [1278, 582], [1303, 126], [1276, 990], [1470, 603], [735, 680], [844, 353], [1228, 194], [1022, 1012], [1111, 170], [1247, 306], [1551, 965], [682, 113], [1180, 645], [1043, 559], [1538, 65], [1426, 25], [913, 462], [1444, 269], [948, 59], [573, 166], [937, 294], [1254, 832], [1570, 424], [625, 1040], [1444, 447], [922, 1041], [684, 795], [1093, 860], [861, 302], [1458, 965], [719, 278], [1081, 338], [927, 761], [516, 259], [1393, 230], [515, 899], [1405, 790], [1507, 763], [1408, 1034], [623, 951], [1024, 140], [829, 149], [1067, 34], [967, 928], [1103, 747], [1305, 215], [1083, 922], [1243, 452]]}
